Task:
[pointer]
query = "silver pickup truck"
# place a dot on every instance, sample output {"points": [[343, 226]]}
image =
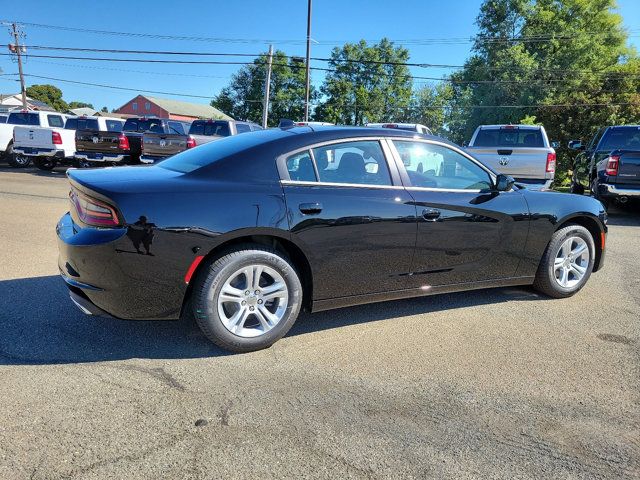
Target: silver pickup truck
{"points": [[522, 151]]}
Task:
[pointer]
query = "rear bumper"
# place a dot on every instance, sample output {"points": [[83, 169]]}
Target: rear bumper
{"points": [[101, 157], [39, 152], [608, 190]]}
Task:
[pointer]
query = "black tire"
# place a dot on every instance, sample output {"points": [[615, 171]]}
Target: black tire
{"points": [[211, 279], [576, 188], [16, 161], [545, 280], [595, 193], [45, 163], [82, 163]]}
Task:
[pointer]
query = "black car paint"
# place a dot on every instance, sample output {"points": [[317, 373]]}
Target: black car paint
{"points": [[360, 247]]}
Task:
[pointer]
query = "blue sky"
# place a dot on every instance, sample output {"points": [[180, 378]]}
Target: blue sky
{"points": [[283, 22]]}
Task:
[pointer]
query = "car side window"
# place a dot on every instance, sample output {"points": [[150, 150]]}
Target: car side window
{"points": [[300, 167], [55, 121], [436, 166], [360, 162]]}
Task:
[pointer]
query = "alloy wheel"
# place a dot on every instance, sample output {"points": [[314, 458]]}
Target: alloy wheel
{"points": [[253, 300], [571, 262]]}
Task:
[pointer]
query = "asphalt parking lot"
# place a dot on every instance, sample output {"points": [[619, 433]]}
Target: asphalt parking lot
{"points": [[487, 384]]}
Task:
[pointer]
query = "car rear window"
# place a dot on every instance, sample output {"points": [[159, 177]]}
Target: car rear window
{"points": [[243, 127], [509, 137], [114, 126], [82, 124], [24, 118], [621, 138], [143, 125], [207, 154], [210, 128]]}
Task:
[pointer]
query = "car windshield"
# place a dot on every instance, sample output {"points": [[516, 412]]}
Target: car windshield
{"points": [[621, 138], [207, 154], [509, 137], [24, 118]]}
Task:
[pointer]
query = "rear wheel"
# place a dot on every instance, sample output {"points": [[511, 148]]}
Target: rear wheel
{"points": [[247, 299], [17, 160], [567, 262], [45, 163]]}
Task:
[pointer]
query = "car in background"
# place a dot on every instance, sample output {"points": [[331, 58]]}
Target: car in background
{"points": [[244, 232], [158, 146], [609, 165], [410, 127], [121, 146], [31, 119], [522, 151]]}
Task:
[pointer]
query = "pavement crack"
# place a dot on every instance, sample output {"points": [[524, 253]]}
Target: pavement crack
{"points": [[158, 373]]}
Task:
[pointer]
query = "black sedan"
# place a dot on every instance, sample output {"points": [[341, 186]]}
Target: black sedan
{"points": [[244, 232]]}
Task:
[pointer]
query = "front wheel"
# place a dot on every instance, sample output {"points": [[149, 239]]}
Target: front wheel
{"points": [[45, 163], [247, 299], [567, 262]]}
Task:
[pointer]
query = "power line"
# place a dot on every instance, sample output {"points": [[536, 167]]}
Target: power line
{"points": [[566, 105], [418, 41]]}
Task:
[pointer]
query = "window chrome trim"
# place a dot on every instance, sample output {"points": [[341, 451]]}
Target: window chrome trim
{"points": [[398, 159], [452, 190], [285, 179], [346, 185]]}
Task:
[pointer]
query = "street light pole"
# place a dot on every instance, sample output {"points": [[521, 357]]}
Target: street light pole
{"points": [[265, 104], [306, 100]]}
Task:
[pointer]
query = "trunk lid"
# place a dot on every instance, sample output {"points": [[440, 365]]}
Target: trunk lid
{"points": [[628, 168], [33, 137], [519, 162], [97, 141]]}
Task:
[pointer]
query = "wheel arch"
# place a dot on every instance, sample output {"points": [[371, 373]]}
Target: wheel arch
{"points": [[594, 226], [276, 240]]}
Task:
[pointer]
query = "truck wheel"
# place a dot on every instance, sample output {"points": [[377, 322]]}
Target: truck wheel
{"points": [[576, 188], [82, 164], [45, 163], [595, 193], [567, 262], [15, 160], [247, 299]]}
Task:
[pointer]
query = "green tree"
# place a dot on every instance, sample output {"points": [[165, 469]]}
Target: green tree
{"points": [[431, 106], [243, 97], [369, 83], [547, 59], [104, 110], [75, 104], [48, 94]]}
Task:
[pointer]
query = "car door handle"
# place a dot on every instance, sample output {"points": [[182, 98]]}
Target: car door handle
{"points": [[310, 208], [431, 214]]}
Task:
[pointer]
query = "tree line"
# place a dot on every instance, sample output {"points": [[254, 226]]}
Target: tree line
{"points": [[561, 63]]}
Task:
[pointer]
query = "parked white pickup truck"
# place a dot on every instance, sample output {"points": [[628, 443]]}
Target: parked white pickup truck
{"points": [[29, 120], [522, 151], [54, 145]]}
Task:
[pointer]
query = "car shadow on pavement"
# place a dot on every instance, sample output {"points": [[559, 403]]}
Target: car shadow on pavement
{"points": [[39, 325], [60, 171], [627, 215]]}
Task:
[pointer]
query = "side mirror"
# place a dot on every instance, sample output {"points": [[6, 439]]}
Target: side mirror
{"points": [[576, 145], [504, 183], [555, 145]]}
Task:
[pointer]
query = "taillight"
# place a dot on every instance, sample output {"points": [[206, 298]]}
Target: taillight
{"points": [[390, 125], [613, 162], [123, 142], [551, 162], [94, 212], [191, 142], [56, 138]]}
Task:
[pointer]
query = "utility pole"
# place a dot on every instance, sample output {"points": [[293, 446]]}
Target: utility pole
{"points": [[18, 51], [306, 100], [265, 103]]}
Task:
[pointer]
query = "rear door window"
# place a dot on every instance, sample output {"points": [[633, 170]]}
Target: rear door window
{"points": [[55, 121], [359, 163], [243, 127], [113, 126], [24, 118], [509, 137]]}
